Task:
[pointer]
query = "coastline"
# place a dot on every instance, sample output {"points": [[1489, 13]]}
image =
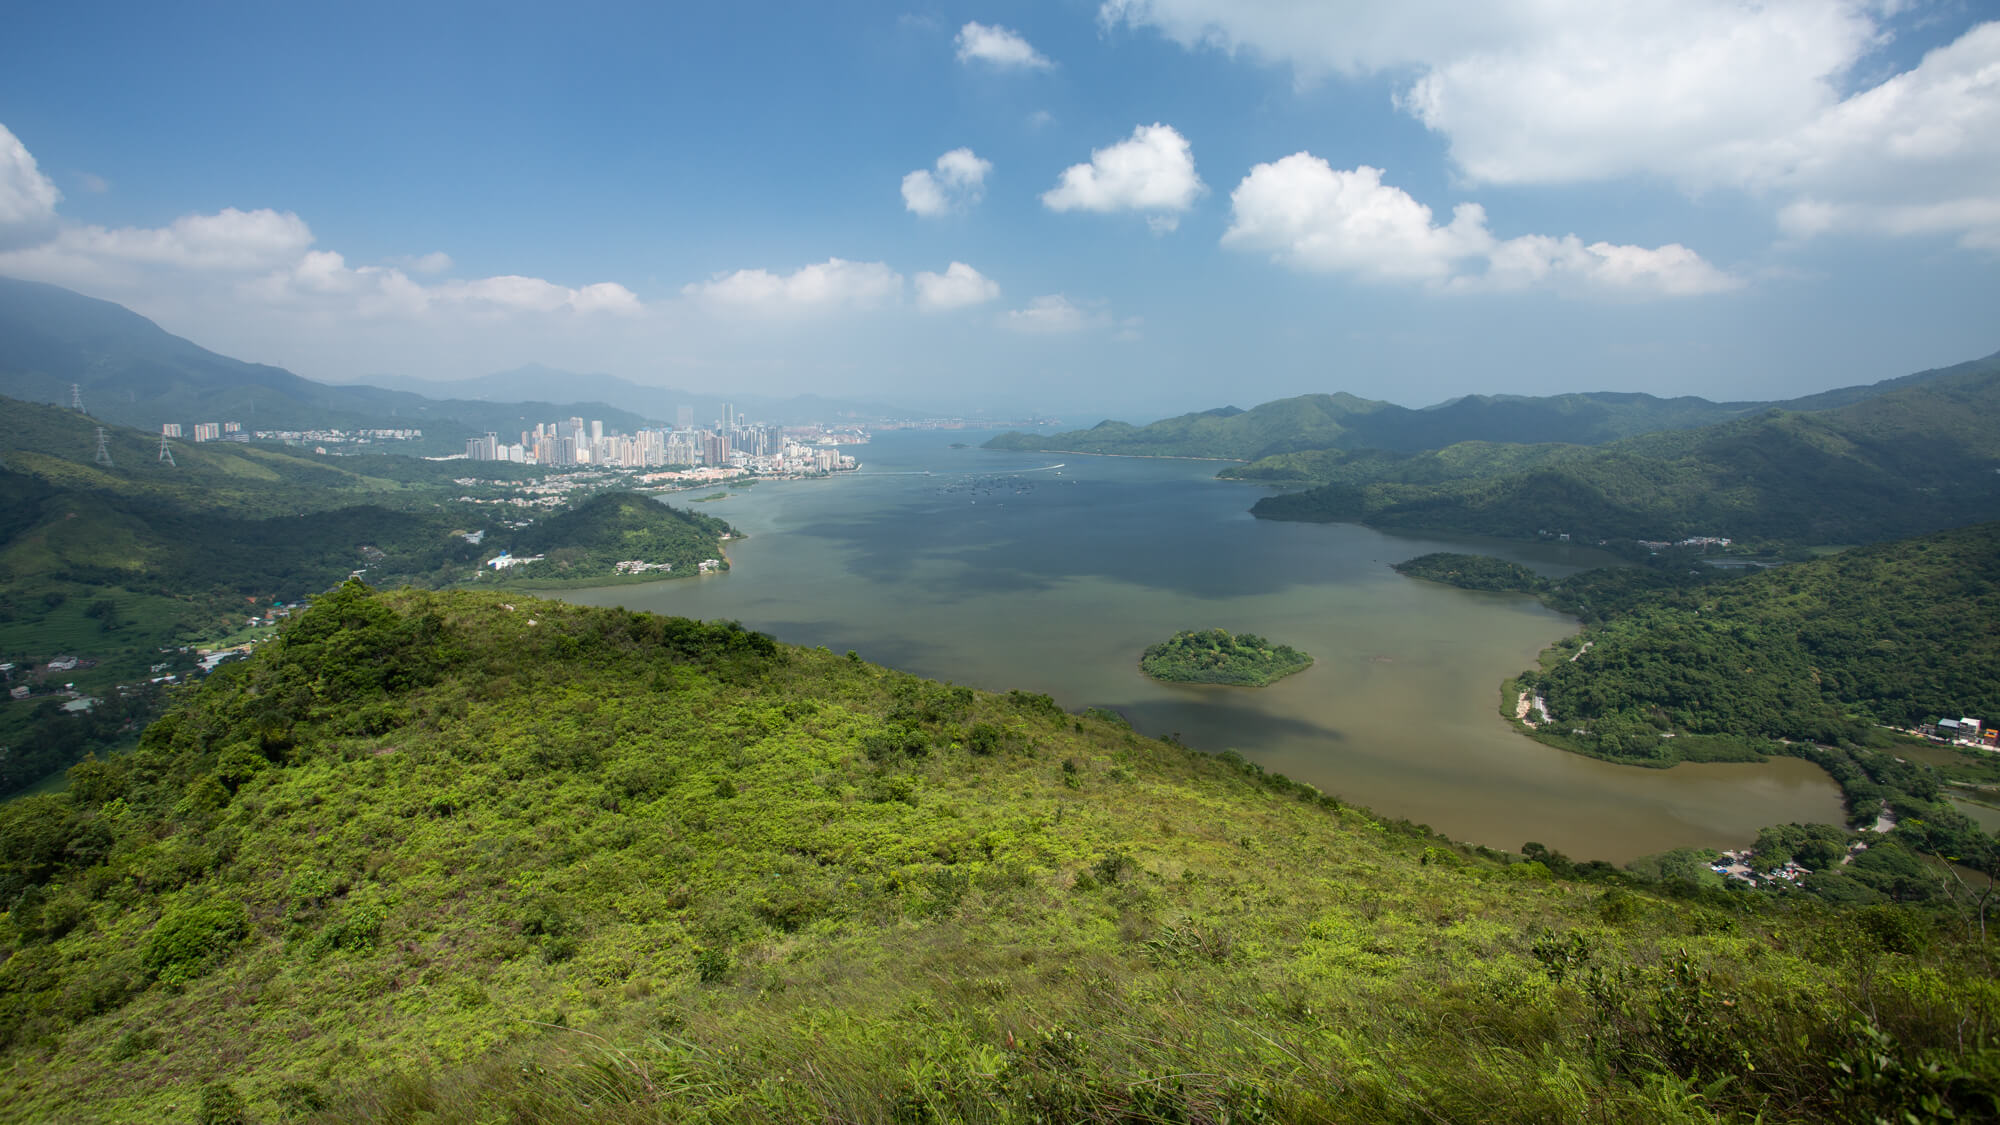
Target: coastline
{"points": [[1137, 456]]}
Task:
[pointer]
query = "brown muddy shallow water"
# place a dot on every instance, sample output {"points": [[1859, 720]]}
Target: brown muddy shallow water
{"points": [[1052, 572]]}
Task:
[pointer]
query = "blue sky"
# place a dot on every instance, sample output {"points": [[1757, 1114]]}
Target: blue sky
{"points": [[1127, 208]]}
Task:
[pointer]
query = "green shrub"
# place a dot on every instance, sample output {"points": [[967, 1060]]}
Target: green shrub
{"points": [[193, 937], [220, 1105], [711, 965], [357, 930]]}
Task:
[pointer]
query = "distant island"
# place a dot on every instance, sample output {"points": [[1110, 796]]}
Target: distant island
{"points": [[1213, 656]]}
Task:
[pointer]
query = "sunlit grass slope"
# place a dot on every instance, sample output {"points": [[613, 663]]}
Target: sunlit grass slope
{"points": [[469, 858]]}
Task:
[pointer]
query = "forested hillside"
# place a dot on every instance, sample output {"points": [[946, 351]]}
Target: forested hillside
{"points": [[436, 856], [1809, 659], [122, 565], [596, 535], [1913, 460], [1897, 633]]}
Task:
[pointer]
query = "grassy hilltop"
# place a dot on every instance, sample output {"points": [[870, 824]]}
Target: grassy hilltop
{"points": [[444, 857]]}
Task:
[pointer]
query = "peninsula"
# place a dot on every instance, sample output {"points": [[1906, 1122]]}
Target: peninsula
{"points": [[1214, 656]]}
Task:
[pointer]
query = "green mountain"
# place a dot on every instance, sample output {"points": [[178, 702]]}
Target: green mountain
{"points": [[1305, 422], [1811, 660], [1894, 633], [1915, 459], [124, 564], [446, 858], [1345, 422], [589, 540], [1898, 633], [132, 372]]}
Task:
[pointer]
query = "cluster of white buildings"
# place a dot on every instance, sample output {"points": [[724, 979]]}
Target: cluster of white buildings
{"points": [[206, 431], [1966, 731], [234, 431], [733, 442], [1690, 541]]}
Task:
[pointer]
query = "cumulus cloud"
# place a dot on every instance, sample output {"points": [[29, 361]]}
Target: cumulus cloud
{"points": [[197, 248], [1312, 217], [263, 256], [27, 198], [93, 183], [958, 183], [1753, 96], [998, 47], [1151, 172], [833, 284], [1047, 315], [1916, 154], [958, 286], [437, 261]]}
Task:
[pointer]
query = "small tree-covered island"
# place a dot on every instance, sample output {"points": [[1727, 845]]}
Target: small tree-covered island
{"points": [[1213, 656]]}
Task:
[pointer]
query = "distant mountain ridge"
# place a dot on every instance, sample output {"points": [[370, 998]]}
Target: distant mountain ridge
{"points": [[1347, 422], [534, 381], [135, 373], [1921, 457]]}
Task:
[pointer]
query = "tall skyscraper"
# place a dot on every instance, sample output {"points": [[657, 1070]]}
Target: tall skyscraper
{"points": [[684, 418], [728, 417]]}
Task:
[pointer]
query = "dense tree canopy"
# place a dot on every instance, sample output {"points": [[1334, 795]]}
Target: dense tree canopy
{"points": [[1215, 656]]}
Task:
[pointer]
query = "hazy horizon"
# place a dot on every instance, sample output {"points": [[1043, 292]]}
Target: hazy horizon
{"points": [[1127, 209]]}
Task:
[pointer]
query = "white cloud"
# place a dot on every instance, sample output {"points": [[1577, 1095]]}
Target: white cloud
{"points": [[437, 261], [958, 286], [1313, 218], [834, 283], [1151, 172], [606, 296], [27, 198], [1054, 314], [93, 183], [959, 182], [267, 258], [1048, 315], [1742, 94], [924, 195], [998, 46], [229, 241], [1567, 264], [1918, 154]]}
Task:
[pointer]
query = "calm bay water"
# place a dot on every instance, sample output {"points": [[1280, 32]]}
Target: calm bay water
{"points": [[1052, 572]]}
